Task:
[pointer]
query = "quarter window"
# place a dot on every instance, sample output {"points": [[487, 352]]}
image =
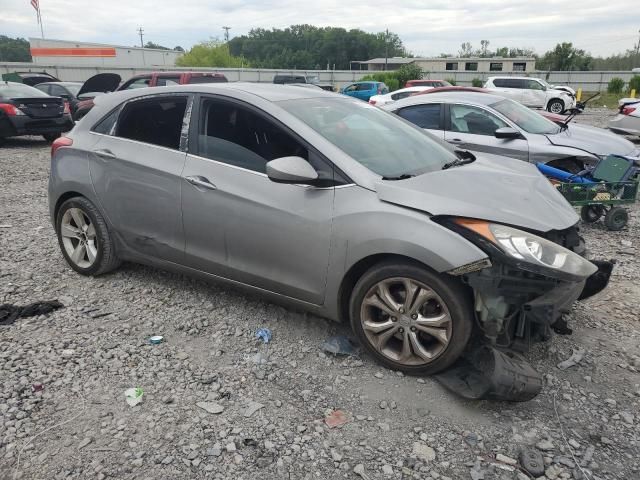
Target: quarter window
{"points": [[473, 120], [157, 121], [424, 116]]}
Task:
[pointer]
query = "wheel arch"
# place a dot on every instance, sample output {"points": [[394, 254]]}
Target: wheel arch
{"points": [[63, 198]]}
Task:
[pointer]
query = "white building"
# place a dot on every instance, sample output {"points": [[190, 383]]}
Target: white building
{"points": [[472, 64], [63, 53]]}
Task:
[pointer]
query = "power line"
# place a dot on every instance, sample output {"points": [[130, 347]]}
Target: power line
{"points": [[141, 33]]}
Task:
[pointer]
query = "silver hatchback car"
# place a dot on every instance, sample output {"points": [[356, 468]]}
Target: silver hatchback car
{"points": [[325, 203]]}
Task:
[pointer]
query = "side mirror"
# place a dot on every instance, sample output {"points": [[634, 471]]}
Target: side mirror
{"points": [[291, 170], [507, 133]]}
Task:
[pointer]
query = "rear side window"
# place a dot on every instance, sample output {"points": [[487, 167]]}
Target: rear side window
{"points": [[105, 126], [365, 86], [424, 116], [208, 79], [157, 121]]}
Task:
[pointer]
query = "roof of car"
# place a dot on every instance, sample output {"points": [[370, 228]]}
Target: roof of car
{"points": [[448, 97]]}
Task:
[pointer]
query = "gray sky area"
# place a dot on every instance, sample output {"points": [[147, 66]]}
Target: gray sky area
{"points": [[426, 27]]}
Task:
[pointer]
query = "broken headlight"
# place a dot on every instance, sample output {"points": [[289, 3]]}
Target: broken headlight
{"points": [[529, 251]]}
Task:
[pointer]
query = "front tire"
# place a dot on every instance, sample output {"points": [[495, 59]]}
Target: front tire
{"points": [[555, 106], [84, 238], [411, 319]]}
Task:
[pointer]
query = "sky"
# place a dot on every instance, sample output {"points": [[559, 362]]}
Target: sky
{"points": [[427, 28]]}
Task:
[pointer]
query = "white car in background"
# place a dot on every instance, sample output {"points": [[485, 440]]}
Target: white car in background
{"points": [[533, 92], [379, 100], [627, 122]]}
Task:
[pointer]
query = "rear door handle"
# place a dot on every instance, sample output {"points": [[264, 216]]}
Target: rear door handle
{"points": [[457, 141], [199, 181], [106, 154]]}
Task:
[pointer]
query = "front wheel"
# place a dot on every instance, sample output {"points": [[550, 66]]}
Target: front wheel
{"points": [[411, 319], [556, 106], [84, 238]]}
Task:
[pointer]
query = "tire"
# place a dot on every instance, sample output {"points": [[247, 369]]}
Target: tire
{"points": [[591, 213], [555, 105], [50, 137], [452, 300], [616, 219], [99, 255]]}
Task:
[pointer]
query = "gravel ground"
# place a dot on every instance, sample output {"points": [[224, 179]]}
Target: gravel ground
{"points": [[217, 404]]}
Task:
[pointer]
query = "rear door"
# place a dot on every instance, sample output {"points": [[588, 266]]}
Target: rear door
{"points": [[473, 128], [534, 94], [239, 224], [136, 168], [429, 116]]}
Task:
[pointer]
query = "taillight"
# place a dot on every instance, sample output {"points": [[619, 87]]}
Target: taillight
{"points": [[372, 102], [67, 109], [60, 142], [10, 110], [627, 110]]}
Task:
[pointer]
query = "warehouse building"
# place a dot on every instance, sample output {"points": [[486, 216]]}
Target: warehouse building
{"points": [[452, 64], [63, 53]]}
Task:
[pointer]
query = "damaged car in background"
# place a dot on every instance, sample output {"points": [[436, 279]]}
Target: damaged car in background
{"points": [[483, 122], [429, 252]]}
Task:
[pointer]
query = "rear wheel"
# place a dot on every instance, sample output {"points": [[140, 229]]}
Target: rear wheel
{"points": [[84, 238], [616, 218], [555, 106], [50, 137], [591, 213], [411, 319]]}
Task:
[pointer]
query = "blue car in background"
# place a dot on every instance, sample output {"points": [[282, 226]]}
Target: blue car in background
{"points": [[364, 90]]}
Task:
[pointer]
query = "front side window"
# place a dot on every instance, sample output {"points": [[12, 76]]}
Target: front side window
{"points": [[534, 85], [424, 116], [351, 88], [235, 135], [525, 118], [57, 91], [374, 138], [473, 120], [157, 121]]}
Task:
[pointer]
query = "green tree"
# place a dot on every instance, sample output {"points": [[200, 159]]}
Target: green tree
{"points": [[409, 71], [565, 57], [178, 49], [156, 46], [477, 82], [466, 50], [210, 54], [14, 49]]}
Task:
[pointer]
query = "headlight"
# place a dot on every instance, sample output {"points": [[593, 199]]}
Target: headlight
{"points": [[530, 251]]}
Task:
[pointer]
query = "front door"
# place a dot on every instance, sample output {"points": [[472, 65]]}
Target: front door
{"points": [[473, 128], [239, 224], [135, 169], [534, 95]]}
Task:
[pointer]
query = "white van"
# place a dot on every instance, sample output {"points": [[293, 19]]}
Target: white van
{"points": [[533, 92]]}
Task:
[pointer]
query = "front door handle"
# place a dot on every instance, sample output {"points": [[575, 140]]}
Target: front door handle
{"points": [[199, 181], [106, 154], [456, 141]]}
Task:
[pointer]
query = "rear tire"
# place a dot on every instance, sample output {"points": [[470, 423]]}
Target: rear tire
{"points": [[616, 219], [50, 137], [84, 238], [428, 333], [591, 213], [555, 105]]}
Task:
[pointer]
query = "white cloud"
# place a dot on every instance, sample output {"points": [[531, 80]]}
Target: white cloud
{"points": [[427, 28]]}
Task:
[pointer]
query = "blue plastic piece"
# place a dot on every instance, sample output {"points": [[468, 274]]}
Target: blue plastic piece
{"points": [[562, 175], [263, 334], [339, 345]]}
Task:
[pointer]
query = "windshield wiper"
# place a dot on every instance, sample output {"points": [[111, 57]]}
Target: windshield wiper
{"points": [[464, 158], [404, 176]]}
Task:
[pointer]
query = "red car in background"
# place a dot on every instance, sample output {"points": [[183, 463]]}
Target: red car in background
{"points": [[554, 117], [427, 83], [155, 79]]}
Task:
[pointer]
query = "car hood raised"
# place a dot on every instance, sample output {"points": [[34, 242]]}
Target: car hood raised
{"points": [[492, 188], [592, 139], [102, 82]]}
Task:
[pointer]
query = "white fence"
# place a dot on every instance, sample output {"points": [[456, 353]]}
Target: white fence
{"points": [[588, 81]]}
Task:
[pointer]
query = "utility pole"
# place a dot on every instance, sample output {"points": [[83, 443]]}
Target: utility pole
{"points": [[141, 33], [386, 49], [226, 33]]}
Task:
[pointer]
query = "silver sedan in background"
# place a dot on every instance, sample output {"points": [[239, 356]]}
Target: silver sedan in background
{"points": [[324, 202], [483, 122]]}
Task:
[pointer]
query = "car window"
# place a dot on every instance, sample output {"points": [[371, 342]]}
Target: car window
{"points": [[57, 91], [105, 126], [534, 85], [374, 138], [168, 81], [365, 86], [233, 134], [400, 95], [138, 83], [157, 121], [207, 79], [424, 116], [351, 88], [473, 120], [44, 87]]}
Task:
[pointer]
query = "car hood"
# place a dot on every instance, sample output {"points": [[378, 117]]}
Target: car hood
{"points": [[592, 139], [492, 188], [102, 82]]}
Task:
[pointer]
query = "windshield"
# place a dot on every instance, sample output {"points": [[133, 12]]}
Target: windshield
{"points": [[525, 118], [17, 90], [380, 141]]}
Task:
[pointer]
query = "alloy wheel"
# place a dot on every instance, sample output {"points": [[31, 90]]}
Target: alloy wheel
{"points": [[79, 238], [406, 321]]}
